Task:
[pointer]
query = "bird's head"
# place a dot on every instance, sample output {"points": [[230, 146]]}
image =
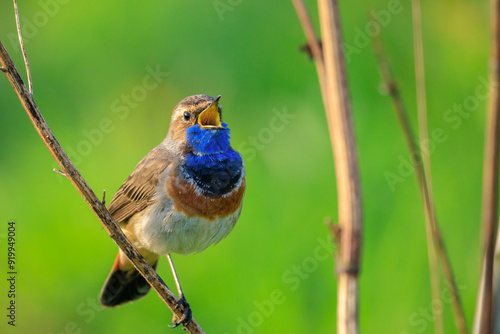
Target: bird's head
{"points": [[196, 120]]}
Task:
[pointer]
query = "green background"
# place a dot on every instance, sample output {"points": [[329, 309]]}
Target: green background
{"points": [[271, 275]]}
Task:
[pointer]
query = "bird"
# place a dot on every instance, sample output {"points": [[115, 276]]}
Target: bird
{"points": [[183, 196]]}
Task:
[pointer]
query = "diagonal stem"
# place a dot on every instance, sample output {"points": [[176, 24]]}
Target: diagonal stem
{"points": [[425, 178], [87, 193], [410, 138], [423, 134], [316, 51], [21, 43]]}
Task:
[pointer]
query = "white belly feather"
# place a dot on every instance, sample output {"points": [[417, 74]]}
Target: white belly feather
{"points": [[162, 230]]}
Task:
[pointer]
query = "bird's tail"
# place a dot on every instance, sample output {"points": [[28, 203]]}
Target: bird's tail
{"points": [[124, 282]]}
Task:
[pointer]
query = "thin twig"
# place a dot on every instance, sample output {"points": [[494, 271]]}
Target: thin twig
{"points": [[346, 167], [61, 173], [410, 138], [484, 320], [28, 72], [3, 69], [89, 196], [429, 208], [402, 115], [422, 120], [312, 39], [316, 51], [421, 98]]}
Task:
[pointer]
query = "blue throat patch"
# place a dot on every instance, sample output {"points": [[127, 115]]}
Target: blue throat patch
{"points": [[213, 165]]}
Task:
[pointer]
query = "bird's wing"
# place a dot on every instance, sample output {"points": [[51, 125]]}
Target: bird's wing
{"points": [[137, 192]]}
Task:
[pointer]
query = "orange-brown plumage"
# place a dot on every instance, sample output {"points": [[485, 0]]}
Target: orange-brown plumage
{"points": [[193, 204]]}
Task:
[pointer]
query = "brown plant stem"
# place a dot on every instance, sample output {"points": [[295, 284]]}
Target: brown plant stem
{"points": [[346, 167], [496, 286], [21, 43], [312, 41], [402, 115], [410, 139], [430, 211], [88, 195], [330, 66], [423, 136], [484, 308], [316, 53]]}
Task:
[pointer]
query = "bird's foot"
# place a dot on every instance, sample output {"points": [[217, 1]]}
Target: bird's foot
{"points": [[186, 317]]}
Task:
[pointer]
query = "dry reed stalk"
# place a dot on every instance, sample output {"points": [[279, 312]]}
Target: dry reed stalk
{"points": [[485, 321], [330, 65]]}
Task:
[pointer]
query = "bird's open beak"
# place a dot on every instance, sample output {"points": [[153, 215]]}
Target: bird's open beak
{"points": [[210, 118]]}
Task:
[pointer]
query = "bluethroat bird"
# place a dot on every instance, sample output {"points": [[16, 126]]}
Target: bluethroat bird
{"points": [[185, 195]]}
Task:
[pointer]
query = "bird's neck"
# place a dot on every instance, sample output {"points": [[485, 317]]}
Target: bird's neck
{"points": [[206, 141], [211, 164]]}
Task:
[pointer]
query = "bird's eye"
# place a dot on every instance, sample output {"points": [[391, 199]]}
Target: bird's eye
{"points": [[187, 116]]}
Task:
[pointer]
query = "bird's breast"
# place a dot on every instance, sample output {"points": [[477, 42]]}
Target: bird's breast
{"points": [[164, 231], [190, 199]]}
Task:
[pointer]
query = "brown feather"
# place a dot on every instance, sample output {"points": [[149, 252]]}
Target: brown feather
{"points": [[138, 190], [192, 204]]}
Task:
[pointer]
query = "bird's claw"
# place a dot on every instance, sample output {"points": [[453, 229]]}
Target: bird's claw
{"points": [[186, 317]]}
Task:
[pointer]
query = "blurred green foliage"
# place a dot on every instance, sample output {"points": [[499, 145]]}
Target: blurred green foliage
{"points": [[271, 274]]}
